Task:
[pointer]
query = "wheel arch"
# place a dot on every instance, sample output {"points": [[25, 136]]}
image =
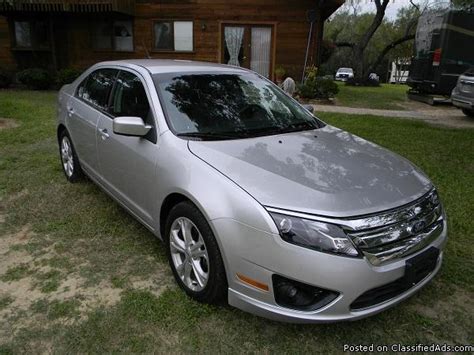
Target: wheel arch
{"points": [[61, 128]]}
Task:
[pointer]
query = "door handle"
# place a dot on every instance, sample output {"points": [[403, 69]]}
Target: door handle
{"points": [[104, 134], [70, 111]]}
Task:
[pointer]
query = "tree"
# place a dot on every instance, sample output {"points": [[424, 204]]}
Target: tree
{"points": [[371, 37]]}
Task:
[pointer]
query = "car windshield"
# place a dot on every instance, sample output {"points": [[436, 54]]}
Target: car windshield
{"points": [[345, 70], [215, 106]]}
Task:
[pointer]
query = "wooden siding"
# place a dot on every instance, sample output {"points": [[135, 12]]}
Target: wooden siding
{"points": [[74, 49], [6, 57]]}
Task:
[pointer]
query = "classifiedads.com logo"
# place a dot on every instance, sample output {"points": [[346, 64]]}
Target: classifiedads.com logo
{"points": [[402, 348]]}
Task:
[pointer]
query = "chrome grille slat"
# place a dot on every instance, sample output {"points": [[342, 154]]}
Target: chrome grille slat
{"points": [[418, 225], [404, 247], [392, 233]]}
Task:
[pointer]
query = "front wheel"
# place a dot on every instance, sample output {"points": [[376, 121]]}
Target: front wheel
{"points": [[467, 112], [69, 161], [194, 254]]}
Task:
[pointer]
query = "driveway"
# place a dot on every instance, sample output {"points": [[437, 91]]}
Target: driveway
{"points": [[438, 115]]}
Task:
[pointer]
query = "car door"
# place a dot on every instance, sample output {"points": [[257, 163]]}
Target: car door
{"points": [[128, 164], [83, 112]]}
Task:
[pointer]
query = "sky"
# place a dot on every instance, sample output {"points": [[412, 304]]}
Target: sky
{"points": [[394, 6]]}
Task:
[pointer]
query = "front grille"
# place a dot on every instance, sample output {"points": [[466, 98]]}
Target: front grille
{"points": [[401, 232], [417, 269]]}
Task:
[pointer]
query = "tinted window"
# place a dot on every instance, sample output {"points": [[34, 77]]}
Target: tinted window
{"points": [[236, 104], [130, 98], [95, 89]]}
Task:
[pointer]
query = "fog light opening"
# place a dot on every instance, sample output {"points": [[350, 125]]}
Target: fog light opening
{"points": [[300, 296]]}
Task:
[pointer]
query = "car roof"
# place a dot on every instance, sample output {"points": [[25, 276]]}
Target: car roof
{"points": [[157, 66]]}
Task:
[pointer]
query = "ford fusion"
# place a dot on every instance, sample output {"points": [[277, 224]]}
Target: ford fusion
{"points": [[257, 201]]}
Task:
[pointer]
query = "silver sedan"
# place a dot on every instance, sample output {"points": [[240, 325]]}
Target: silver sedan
{"points": [[256, 200]]}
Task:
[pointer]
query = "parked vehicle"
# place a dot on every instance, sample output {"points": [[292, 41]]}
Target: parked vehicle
{"points": [[255, 199], [443, 50], [343, 74], [463, 93]]}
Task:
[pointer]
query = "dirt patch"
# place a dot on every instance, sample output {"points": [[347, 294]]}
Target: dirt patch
{"points": [[447, 311], [437, 115], [24, 290], [6, 123]]}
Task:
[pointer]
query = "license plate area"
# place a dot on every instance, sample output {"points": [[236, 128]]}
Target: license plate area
{"points": [[420, 266]]}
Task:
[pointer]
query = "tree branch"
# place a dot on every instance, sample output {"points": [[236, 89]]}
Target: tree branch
{"points": [[344, 44], [387, 49], [379, 15]]}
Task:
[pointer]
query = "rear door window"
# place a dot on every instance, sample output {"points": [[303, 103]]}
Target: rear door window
{"points": [[95, 89]]}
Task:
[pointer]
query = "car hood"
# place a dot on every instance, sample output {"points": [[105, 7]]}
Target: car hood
{"points": [[326, 171]]}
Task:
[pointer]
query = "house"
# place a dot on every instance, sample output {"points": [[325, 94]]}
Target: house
{"points": [[257, 34]]}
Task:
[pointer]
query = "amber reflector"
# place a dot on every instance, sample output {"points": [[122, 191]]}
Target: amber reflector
{"points": [[252, 282]]}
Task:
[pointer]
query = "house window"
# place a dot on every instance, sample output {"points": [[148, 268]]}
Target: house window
{"points": [[114, 35], [173, 36], [31, 34]]}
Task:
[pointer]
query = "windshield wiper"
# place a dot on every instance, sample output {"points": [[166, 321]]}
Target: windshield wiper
{"points": [[209, 135]]}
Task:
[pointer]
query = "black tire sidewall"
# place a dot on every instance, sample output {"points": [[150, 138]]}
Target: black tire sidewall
{"points": [[216, 287], [467, 112], [77, 171]]}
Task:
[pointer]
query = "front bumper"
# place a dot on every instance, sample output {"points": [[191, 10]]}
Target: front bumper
{"points": [[259, 255]]}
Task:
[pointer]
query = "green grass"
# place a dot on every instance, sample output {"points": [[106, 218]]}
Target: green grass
{"points": [[386, 96], [79, 231], [16, 273]]}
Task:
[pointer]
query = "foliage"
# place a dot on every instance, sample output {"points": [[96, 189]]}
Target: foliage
{"points": [[5, 79], [280, 71], [362, 82], [36, 78], [348, 27], [67, 76], [316, 87]]}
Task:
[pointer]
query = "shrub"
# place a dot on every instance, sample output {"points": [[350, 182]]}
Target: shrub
{"points": [[67, 76], [317, 87], [279, 73], [5, 79], [36, 78], [362, 82]]}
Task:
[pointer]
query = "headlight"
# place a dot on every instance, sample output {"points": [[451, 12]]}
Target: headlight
{"points": [[316, 235]]}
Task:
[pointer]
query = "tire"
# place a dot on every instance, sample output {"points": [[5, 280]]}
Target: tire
{"points": [[467, 112], [194, 264], [69, 161]]}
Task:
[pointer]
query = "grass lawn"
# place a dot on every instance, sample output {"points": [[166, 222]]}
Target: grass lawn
{"points": [[386, 96], [78, 274]]}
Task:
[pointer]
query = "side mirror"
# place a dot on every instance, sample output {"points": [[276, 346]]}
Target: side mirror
{"points": [[309, 108], [130, 126]]}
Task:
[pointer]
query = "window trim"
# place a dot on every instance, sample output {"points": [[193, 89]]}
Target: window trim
{"points": [[111, 22], [157, 50]]}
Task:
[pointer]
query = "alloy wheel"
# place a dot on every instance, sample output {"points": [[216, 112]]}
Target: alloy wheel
{"points": [[67, 156], [189, 254]]}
